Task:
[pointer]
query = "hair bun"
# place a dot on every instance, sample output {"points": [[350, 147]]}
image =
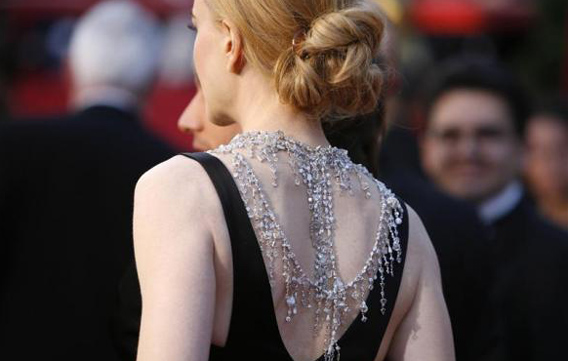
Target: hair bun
{"points": [[331, 73]]}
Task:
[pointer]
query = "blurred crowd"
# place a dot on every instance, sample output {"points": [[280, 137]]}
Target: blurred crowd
{"points": [[95, 93]]}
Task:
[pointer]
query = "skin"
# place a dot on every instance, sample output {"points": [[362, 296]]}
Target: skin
{"points": [[183, 252], [546, 168], [470, 148]]}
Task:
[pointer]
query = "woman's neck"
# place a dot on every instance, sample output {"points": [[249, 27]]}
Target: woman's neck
{"points": [[260, 109]]}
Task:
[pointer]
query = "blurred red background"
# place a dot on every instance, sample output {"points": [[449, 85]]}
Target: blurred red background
{"points": [[35, 84]]}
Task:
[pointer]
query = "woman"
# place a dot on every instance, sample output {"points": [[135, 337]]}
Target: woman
{"points": [[296, 253]]}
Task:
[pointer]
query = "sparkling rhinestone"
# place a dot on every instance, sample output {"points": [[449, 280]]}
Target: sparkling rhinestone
{"points": [[319, 168], [291, 301]]}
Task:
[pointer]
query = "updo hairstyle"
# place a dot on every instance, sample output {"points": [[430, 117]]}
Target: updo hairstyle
{"points": [[319, 53]]}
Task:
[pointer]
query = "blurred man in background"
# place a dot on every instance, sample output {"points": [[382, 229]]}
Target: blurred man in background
{"points": [[472, 149], [66, 190], [546, 168], [113, 57]]}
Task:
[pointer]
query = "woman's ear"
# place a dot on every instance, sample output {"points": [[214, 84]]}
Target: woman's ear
{"points": [[233, 47]]}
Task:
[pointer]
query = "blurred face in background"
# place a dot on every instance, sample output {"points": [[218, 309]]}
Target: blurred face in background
{"points": [[546, 168], [470, 148], [206, 135]]}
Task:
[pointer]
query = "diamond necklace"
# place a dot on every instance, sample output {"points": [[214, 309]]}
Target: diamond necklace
{"points": [[317, 168]]}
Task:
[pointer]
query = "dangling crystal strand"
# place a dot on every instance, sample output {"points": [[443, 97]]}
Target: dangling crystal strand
{"points": [[316, 168]]}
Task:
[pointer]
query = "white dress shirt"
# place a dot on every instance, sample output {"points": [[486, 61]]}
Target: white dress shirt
{"points": [[501, 204]]}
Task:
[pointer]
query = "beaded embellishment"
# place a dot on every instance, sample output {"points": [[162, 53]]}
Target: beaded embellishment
{"points": [[317, 168]]}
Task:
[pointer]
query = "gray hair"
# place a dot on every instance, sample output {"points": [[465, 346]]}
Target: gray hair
{"points": [[115, 44]]}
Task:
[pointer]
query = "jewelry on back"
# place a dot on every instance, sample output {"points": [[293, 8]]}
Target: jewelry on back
{"points": [[317, 168]]}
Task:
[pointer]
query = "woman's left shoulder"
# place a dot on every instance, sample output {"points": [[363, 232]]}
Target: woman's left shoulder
{"points": [[179, 179], [176, 172], [177, 190]]}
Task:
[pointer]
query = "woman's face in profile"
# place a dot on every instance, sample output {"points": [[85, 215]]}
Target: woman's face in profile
{"points": [[210, 59]]}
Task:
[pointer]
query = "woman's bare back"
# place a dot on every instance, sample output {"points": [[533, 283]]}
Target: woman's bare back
{"points": [[357, 215], [418, 324]]}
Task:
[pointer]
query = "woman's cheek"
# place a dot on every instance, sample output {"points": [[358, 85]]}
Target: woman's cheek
{"points": [[197, 54]]}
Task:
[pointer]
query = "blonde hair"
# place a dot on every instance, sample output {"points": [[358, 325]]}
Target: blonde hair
{"points": [[319, 53]]}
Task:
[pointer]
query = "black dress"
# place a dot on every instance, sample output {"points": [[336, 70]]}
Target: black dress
{"points": [[253, 332]]}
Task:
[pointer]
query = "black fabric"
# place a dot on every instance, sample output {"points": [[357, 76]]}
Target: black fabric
{"points": [[66, 191], [253, 333], [531, 285], [127, 312]]}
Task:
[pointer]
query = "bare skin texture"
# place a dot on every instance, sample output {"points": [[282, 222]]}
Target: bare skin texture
{"points": [[183, 249]]}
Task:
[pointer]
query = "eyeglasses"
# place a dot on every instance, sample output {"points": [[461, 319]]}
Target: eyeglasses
{"points": [[481, 135]]}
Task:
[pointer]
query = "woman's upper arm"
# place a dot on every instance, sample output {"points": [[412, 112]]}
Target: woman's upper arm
{"points": [[174, 255], [425, 331]]}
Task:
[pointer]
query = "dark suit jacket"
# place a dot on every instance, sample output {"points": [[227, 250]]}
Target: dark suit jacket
{"points": [[66, 199], [531, 284]]}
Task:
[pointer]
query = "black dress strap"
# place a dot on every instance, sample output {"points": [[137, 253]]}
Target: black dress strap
{"points": [[362, 340], [253, 332]]}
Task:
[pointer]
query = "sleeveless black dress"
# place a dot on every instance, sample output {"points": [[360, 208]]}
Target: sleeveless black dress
{"points": [[253, 331]]}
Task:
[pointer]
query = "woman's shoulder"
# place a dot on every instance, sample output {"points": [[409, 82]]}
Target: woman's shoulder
{"points": [[178, 170], [181, 184], [417, 234], [421, 260], [418, 239], [420, 256]]}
